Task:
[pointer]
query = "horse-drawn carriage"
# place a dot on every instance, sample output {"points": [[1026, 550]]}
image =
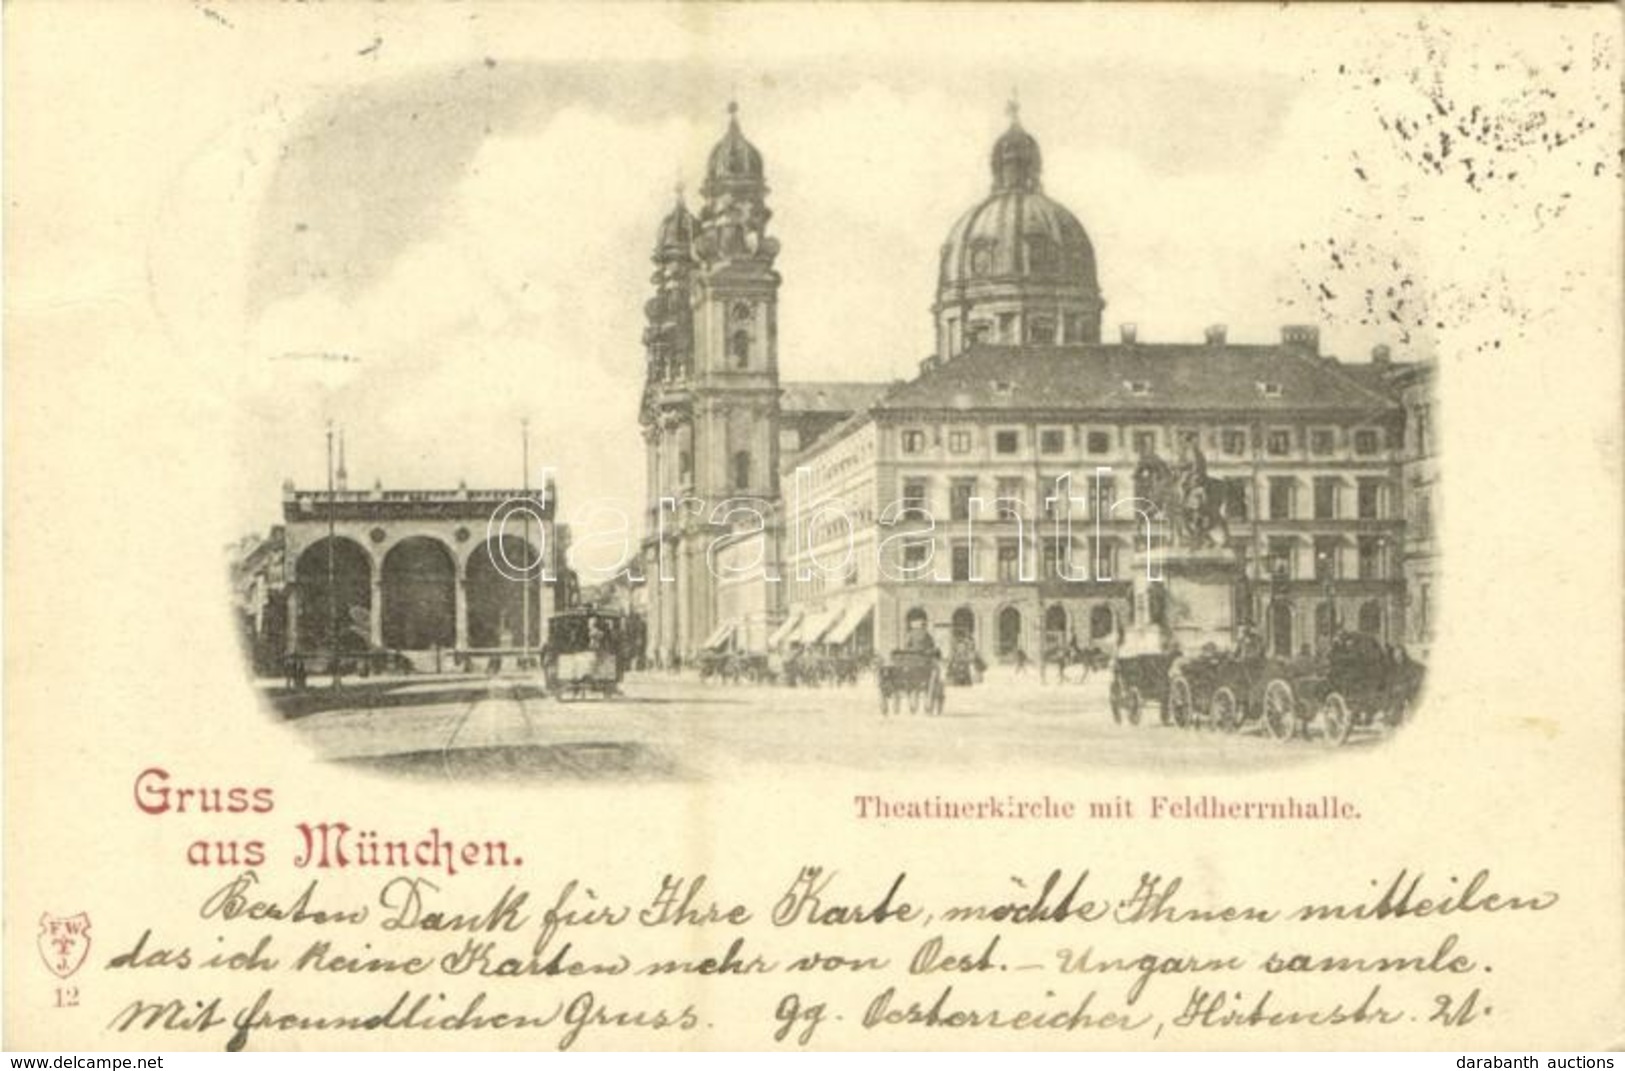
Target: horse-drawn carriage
{"points": [[914, 676], [583, 654], [1137, 681], [1357, 684]]}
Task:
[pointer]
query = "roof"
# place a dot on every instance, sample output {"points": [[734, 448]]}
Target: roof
{"points": [[832, 397], [1135, 377]]}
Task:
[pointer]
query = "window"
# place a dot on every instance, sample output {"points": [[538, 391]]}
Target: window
{"points": [[1007, 327], [1137, 386], [1233, 442], [959, 441], [1052, 441], [1010, 490], [1009, 561], [1325, 498], [1370, 499], [980, 331], [1366, 442], [1280, 558], [1099, 442], [739, 348], [1040, 329], [1424, 515], [685, 464], [1326, 558], [1236, 492], [1145, 443], [1423, 413], [1055, 504], [913, 500], [913, 441], [1371, 558], [742, 469], [1105, 488], [1074, 327], [961, 562], [1104, 562], [1282, 489], [1006, 442], [960, 492], [1321, 441], [1371, 618], [914, 556], [1279, 442], [1269, 390]]}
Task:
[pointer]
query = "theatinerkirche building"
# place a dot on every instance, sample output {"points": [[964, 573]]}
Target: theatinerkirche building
{"points": [[982, 498]]}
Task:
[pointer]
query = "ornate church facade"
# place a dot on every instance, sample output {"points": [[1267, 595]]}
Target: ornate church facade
{"points": [[989, 497]]}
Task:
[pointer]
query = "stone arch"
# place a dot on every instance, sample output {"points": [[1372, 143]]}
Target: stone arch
{"points": [[419, 581], [964, 623], [502, 590], [351, 603], [1010, 639], [1102, 622]]}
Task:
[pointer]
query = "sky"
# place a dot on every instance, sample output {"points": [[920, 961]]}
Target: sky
{"points": [[443, 245]]}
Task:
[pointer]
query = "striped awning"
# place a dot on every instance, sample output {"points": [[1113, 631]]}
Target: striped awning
{"points": [[854, 615], [721, 636], [813, 629], [782, 633]]}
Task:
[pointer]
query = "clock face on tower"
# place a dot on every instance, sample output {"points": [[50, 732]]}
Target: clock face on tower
{"points": [[741, 312]]}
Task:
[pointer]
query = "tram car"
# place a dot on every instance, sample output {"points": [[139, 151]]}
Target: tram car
{"points": [[584, 654]]}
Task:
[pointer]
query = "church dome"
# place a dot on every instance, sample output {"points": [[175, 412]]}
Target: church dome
{"points": [[1017, 261], [734, 161], [677, 232]]}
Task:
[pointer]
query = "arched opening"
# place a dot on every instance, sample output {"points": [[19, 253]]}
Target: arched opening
{"points": [[1156, 603], [1325, 623], [964, 623], [501, 580], [1009, 630], [420, 595], [1055, 623], [1281, 629], [350, 606], [917, 618], [739, 348], [742, 470], [1371, 618], [1102, 623]]}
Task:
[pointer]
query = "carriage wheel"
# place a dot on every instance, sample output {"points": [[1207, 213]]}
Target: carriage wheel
{"points": [[1279, 709], [1134, 705], [1179, 701], [1335, 721], [1222, 711]]}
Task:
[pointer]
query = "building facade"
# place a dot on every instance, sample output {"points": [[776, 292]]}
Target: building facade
{"points": [[993, 497], [421, 572]]}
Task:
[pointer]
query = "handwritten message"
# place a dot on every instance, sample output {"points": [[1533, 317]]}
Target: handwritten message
{"points": [[832, 959]]}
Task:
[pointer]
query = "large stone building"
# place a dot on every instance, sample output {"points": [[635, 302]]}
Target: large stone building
{"points": [[993, 494], [424, 573]]}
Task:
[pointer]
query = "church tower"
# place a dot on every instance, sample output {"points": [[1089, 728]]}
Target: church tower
{"points": [[711, 395]]}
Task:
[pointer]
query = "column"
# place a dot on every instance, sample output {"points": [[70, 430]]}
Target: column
{"points": [[293, 619], [461, 641], [375, 625]]}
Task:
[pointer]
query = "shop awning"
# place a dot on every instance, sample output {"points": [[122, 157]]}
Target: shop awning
{"points": [[721, 636], [782, 633], [855, 614], [818, 624]]}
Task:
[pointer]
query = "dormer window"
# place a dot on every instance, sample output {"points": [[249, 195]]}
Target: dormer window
{"points": [[1003, 387], [1137, 386], [1267, 389]]}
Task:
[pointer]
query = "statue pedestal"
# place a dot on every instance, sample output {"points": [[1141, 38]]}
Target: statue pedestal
{"points": [[1188, 595]]}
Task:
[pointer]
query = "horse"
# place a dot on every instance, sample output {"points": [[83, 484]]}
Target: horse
{"points": [[1193, 505]]}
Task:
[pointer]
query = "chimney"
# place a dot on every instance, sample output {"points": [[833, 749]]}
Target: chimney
{"points": [[1380, 354], [1302, 337], [1216, 334], [1128, 332]]}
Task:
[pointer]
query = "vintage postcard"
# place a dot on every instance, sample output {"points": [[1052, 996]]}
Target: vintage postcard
{"points": [[813, 527]]}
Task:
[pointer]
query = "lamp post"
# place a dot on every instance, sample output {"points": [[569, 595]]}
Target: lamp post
{"points": [[525, 573], [332, 569]]}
